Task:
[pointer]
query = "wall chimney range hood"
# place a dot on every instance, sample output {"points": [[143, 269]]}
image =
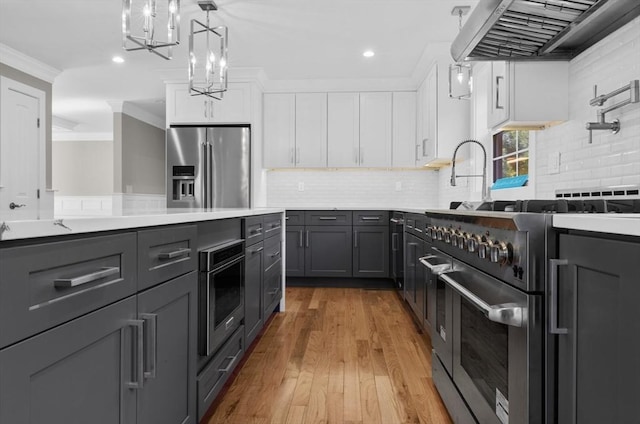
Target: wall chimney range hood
{"points": [[538, 29]]}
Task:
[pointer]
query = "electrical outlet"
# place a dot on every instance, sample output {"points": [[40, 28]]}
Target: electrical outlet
{"points": [[301, 186], [554, 162], [398, 185]]}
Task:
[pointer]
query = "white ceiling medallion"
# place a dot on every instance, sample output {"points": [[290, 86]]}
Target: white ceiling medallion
{"points": [[460, 76], [207, 56], [146, 18]]}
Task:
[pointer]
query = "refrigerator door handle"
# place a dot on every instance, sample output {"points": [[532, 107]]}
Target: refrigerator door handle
{"points": [[210, 170], [205, 175]]}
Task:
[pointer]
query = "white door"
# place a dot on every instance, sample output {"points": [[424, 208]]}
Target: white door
{"points": [[311, 130], [375, 129], [22, 151], [343, 129]]}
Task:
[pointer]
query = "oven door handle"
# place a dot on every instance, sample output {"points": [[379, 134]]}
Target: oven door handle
{"points": [[507, 313], [436, 269]]}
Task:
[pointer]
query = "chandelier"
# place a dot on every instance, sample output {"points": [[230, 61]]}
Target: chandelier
{"points": [[147, 16], [207, 56]]}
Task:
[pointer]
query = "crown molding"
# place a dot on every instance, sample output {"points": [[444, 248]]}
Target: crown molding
{"points": [[27, 64], [433, 53]]}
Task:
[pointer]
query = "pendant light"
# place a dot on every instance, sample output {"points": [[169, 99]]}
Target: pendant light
{"points": [[460, 75], [148, 18], [207, 56]]}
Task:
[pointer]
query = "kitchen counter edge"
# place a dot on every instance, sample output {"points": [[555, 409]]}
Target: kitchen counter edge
{"points": [[18, 230], [623, 224]]}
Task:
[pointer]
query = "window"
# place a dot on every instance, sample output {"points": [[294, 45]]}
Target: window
{"points": [[510, 154]]}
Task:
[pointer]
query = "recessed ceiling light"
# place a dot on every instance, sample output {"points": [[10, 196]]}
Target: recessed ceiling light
{"points": [[368, 53], [118, 59]]}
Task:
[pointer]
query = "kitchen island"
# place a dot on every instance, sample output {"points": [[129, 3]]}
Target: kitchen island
{"points": [[129, 293]]}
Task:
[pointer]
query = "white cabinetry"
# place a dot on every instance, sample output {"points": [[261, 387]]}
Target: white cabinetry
{"points": [[375, 129], [183, 108], [279, 130], [295, 130], [443, 122], [343, 128], [311, 130], [404, 129], [528, 94]]}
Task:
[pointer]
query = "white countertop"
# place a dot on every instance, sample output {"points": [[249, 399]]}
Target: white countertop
{"points": [[129, 219], [612, 223], [357, 208]]}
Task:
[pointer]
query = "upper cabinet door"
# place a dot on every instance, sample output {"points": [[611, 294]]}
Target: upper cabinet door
{"points": [[499, 95], [375, 130], [311, 130], [279, 130], [183, 108], [404, 129], [235, 106], [343, 129]]}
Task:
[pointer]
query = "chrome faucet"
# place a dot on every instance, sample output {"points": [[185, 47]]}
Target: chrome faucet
{"points": [[634, 96], [485, 192]]}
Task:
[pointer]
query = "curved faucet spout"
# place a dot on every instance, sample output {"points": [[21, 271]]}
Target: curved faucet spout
{"points": [[485, 192]]}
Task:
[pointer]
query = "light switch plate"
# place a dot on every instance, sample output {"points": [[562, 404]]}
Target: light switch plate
{"points": [[398, 185], [301, 186]]}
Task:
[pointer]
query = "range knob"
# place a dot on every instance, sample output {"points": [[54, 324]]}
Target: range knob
{"points": [[439, 233], [431, 232], [462, 241], [455, 239], [484, 248], [473, 242], [447, 236], [501, 253]]}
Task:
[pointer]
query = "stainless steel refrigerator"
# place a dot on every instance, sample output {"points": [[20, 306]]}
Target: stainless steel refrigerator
{"points": [[209, 167]]}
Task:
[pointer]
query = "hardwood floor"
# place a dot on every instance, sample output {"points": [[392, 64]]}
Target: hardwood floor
{"points": [[336, 356]]}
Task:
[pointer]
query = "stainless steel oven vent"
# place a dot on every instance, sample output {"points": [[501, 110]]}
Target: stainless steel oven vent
{"points": [[539, 29]]}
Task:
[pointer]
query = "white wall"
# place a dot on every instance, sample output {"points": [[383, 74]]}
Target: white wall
{"points": [[82, 168], [352, 188], [612, 159]]}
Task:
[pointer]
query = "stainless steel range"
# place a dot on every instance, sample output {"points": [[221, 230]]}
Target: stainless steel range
{"points": [[487, 274]]}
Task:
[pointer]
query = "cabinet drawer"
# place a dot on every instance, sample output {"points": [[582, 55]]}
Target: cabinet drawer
{"points": [[370, 218], [272, 225], [295, 218], [166, 253], [252, 230], [272, 289], [44, 285], [217, 372], [327, 218], [272, 249]]}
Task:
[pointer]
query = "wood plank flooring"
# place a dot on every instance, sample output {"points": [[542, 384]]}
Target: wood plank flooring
{"points": [[347, 356]]}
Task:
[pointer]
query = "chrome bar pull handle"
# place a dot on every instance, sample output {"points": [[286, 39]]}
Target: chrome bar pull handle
{"points": [[498, 79], [300, 244], [138, 383], [174, 254], [87, 278], [232, 360], [355, 239], [152, 346], [554, 264], [307, 240]]}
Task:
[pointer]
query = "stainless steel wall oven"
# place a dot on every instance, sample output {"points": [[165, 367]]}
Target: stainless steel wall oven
{"points": [[221, 294]]}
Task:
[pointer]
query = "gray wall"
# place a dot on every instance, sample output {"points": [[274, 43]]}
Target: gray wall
{"points": [[82, 168], [139, 156], [14, 74]]}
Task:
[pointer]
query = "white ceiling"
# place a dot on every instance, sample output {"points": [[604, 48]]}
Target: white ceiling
{"points": [[288, 39]]}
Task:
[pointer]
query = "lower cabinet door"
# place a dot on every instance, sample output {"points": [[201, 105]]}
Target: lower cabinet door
{"points": [[272, 289], [371, 251], [295, 251], [328, 251], [169, 316], [253, 266], [78, 372]]}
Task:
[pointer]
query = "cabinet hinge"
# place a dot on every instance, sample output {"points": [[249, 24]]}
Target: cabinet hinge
{"points": [[38, 122]]}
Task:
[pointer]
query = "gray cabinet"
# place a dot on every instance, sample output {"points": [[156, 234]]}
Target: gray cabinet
{"points": [[597, 296], [294, 239], [272, 289], [79, 372], [169, 317], [414, 287], [371, 251], [254, 267], [328, 251]]}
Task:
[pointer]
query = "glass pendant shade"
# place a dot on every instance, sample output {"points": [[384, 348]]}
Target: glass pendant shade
{"points": [[207, 59], [144, 23], [460, 81]]}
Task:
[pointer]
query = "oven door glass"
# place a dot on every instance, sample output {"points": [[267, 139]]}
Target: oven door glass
{"points": [[484, 355], [225, 291]]}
